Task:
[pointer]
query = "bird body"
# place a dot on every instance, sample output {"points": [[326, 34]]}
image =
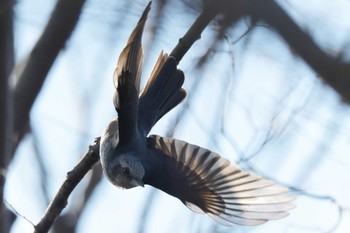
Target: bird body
{"points": [[203, 180]]}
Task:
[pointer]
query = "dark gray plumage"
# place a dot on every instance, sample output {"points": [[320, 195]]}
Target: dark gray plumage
{"points": [[201, 179]]}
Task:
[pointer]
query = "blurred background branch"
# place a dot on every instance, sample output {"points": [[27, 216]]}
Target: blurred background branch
{"points": [[62, 22], [332, 70], [6, 65]]}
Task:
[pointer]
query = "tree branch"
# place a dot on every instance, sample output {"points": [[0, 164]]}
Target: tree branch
{"points": [[195, 31], [333, 71], [6, 65], [72, 180]]}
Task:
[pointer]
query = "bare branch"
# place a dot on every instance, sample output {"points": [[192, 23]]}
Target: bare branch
{"points": [[6, 64], [335, 72], [72, 180], [18, 213], [331, 69], [194, 33]]}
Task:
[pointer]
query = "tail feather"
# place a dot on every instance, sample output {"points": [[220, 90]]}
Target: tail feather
{"points": [[127, 75], [126, 80], [162, 92]]}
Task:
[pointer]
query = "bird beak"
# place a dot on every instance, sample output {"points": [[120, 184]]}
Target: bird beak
{"points": [[138, 182]]}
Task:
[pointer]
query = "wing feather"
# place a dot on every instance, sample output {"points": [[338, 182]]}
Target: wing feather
{"points": [[223, 191]]}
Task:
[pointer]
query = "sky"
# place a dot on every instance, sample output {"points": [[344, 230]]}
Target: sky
{"points": [[257, 104]]}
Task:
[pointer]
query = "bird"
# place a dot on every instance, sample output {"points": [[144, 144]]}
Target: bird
{"points": [[201, 179]]}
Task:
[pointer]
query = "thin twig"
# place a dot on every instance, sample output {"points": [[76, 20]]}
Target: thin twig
{"points": [[17, 213]]}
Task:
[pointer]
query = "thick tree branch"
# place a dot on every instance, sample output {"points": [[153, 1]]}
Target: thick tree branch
{"points": [[72, 180], [334, 72], [59, 28], [6, 65]]}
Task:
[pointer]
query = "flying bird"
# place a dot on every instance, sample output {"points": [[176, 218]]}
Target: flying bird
{"points": [[203, 180]]}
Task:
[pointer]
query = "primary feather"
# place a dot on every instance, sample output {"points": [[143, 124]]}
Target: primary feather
{"points": [[221, 190]]}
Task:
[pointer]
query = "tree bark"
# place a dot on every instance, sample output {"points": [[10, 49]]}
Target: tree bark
{"points": [[6, 65]]}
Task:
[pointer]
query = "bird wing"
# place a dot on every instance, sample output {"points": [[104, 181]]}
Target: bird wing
{"points": [[214, 186], [126, 80], [161, 94]]}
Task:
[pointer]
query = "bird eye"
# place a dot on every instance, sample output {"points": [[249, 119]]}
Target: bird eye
{"points": [[126, 171]]}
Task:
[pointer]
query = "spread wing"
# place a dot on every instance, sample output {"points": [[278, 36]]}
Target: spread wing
{"points": [[208, 183], [161, 94], [126, 79]]}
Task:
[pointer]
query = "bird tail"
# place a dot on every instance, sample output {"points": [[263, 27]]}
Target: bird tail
{"points": [[126, 80], [126, 76], [162, 92]]}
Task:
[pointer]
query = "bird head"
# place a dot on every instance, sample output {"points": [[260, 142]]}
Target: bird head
{"points": [[123, 170], [127, 172]]}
